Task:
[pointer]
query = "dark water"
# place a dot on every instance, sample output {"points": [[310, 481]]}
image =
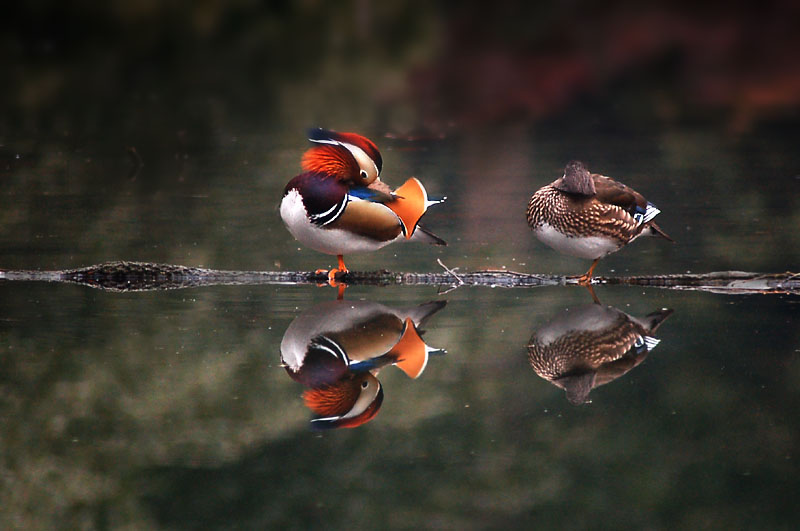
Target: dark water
{"points": [[166, 132], [172, 408]]}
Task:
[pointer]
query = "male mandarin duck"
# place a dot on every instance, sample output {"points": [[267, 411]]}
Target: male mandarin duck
{"points": [[349, 402], [591, 346], [339, 205], [337, 348], [590, 216]]}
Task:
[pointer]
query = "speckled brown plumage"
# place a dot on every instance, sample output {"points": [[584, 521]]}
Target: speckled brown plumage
{"points": [[589, 215], [591, 346], [577, 215], [583, 350]]}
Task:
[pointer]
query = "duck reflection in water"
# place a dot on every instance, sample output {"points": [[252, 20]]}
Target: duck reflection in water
{"points": [[336, 349], [590, 346]]}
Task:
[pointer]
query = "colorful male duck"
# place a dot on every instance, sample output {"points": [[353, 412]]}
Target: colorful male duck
{"points": [[339, 205], [590, 216], [337, 349]]}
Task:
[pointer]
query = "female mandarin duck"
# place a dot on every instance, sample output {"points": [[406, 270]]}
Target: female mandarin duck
{"points": [[339, 205], [590, 216], [590, 346], [337, 348]]}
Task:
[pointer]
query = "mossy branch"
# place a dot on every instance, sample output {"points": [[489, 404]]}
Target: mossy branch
{"points": [[145, 276]]}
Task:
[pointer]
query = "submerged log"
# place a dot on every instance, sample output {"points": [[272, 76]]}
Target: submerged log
{"points": [[731, 282], [145, 276]]}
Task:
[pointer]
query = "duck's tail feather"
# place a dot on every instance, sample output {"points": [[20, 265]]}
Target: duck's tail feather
{"points": [[423, 235], [655, 230]]}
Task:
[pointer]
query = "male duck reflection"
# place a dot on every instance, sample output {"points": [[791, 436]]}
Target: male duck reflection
{"points": [[337, 348], [590, 346], [590, 216], [339, 205]]}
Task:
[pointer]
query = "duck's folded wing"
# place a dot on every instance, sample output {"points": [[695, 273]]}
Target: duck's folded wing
{"points": [[616, 193], [368, 219], [612, 192]]}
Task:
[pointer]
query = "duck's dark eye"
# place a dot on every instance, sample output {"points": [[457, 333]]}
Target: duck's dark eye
{"points": [[364, 385], [364, 174]]}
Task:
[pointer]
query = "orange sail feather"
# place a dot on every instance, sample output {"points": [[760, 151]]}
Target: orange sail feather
{"points": [[410, 204]]}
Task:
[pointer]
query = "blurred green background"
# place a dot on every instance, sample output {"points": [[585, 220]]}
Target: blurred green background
{"points": [[166, 131]]}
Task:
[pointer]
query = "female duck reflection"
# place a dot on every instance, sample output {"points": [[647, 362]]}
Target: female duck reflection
{"points": [[337, 348], [590, 346]]}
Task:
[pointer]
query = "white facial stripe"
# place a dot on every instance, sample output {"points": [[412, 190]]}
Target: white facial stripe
{"points": [[364, 161], [364, 400]]}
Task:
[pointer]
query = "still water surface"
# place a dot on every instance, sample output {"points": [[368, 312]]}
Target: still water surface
{"points": [[173, 408]]}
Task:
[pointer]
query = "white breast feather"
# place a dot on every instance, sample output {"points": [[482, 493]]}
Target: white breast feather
{"points": [[324, 240], [589, 247]]}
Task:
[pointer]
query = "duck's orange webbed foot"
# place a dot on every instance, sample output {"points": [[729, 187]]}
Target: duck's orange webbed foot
{"points": [[331, 273], [322, 272], [586, 278], [332, 277]]}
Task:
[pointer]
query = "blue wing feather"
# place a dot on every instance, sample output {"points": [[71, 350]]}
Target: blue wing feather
{"points": [[368, 194], [643, 215]]}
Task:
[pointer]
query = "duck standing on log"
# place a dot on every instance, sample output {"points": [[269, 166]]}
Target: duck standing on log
{"points": [[339, 205], [590, 216]]}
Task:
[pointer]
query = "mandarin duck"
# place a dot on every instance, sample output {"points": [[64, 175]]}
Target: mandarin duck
{"points": [[339, 205], [337, 348], [591, 346], [590, 216]]}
